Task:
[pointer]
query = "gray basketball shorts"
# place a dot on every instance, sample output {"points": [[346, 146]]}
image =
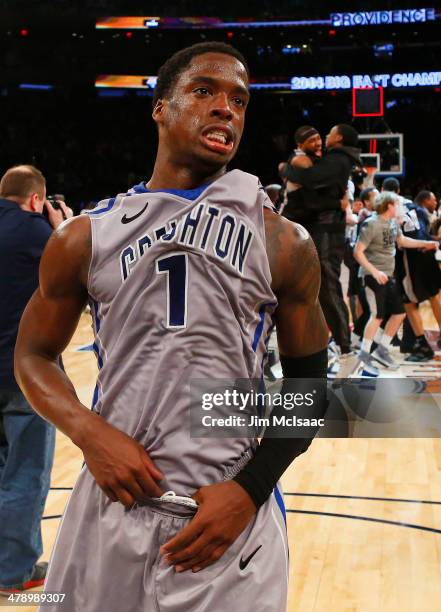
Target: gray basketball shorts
{"points": [[107, 558]]}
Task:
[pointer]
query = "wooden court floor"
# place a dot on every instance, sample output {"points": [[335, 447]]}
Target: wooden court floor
{"points": [[363, 515]]}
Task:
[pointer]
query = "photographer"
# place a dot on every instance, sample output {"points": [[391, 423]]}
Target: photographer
{"points": [[26, 440]]}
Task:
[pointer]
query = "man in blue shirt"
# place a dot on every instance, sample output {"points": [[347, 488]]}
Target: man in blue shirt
{"points": [[26, 440]]}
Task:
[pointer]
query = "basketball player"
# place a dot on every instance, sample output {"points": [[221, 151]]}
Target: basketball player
{"points": [[307, 152], [183, 274]]}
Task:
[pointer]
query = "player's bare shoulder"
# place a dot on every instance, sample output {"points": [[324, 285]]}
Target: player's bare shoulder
{"points": [[66, 258], [292, 255], [301, 161]]}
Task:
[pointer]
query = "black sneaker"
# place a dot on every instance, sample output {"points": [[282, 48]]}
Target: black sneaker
{"points": [[417, 357], [406, 348], [424, 348], [37, 579]]}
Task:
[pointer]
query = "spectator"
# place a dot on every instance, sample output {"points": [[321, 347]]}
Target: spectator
{"points": [[367, 197], [392, 185], [26, 440]]}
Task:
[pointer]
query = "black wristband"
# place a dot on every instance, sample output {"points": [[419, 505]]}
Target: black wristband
{"points": [[274, 455], [312, 366]]}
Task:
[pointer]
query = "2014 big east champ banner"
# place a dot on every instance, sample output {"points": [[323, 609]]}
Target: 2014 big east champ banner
{"points": [[396, 80], [364, 18]]}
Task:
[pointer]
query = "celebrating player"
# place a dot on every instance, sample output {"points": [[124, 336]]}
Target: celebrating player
{"points": [[183, 274]]}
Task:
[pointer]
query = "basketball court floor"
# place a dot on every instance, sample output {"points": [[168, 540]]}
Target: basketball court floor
{"points": [[363, 515]]}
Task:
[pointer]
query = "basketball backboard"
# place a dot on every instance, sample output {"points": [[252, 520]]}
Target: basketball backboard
{"points": [[388, 147]]}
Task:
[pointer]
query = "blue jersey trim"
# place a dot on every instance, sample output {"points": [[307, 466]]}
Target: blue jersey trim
{"points": [[98, 356], [259, 328], [96, 395], [105, 209], [280, 502], [95, 314], [188, 194]]}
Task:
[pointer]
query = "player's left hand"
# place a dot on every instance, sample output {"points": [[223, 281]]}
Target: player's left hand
{"points": [[225, 509]]}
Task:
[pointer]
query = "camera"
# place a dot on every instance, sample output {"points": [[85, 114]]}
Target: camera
{"points": [[53, 200]]}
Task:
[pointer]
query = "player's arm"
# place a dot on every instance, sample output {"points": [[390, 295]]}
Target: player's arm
{"points": [[119, 464], [411, 243], [295, 271], [298, 161], [301, 161], [320, 175], [226, 508], [302, 338]]}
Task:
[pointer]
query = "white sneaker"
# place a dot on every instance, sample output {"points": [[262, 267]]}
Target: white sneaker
{"points": [[347, 364], [368, 367], [333, 365], [382, 355], [355, 341], [334, 348]]}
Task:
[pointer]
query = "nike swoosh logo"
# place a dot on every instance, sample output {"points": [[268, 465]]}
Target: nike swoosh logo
{"points": [[244, 562], [127, 219]]}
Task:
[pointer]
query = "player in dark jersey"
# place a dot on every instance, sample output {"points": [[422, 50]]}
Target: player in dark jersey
{"points": [[110, 556]]}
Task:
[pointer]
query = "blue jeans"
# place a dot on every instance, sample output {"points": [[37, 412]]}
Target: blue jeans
{"points": [[26, 454]]}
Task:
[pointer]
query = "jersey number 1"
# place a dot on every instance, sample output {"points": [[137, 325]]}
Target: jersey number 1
{"points": [[175, 268]]}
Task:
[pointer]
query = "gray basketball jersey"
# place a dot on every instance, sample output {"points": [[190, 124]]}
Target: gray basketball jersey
{"points": [[180, 289]]}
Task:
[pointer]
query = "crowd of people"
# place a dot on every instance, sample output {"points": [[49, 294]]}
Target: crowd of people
{"points": [[371, 290]]}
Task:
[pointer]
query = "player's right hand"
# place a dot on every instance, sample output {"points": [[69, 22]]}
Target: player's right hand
{"points": [[431, 245], [381, 277], [120, 465]]}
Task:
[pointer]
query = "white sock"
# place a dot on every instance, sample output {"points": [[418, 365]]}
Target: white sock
{"points": [[386, 340], [378, 335], [366, 345]]}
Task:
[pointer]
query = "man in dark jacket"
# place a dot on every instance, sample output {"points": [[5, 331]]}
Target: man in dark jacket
{"points": [[327, 182]]}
